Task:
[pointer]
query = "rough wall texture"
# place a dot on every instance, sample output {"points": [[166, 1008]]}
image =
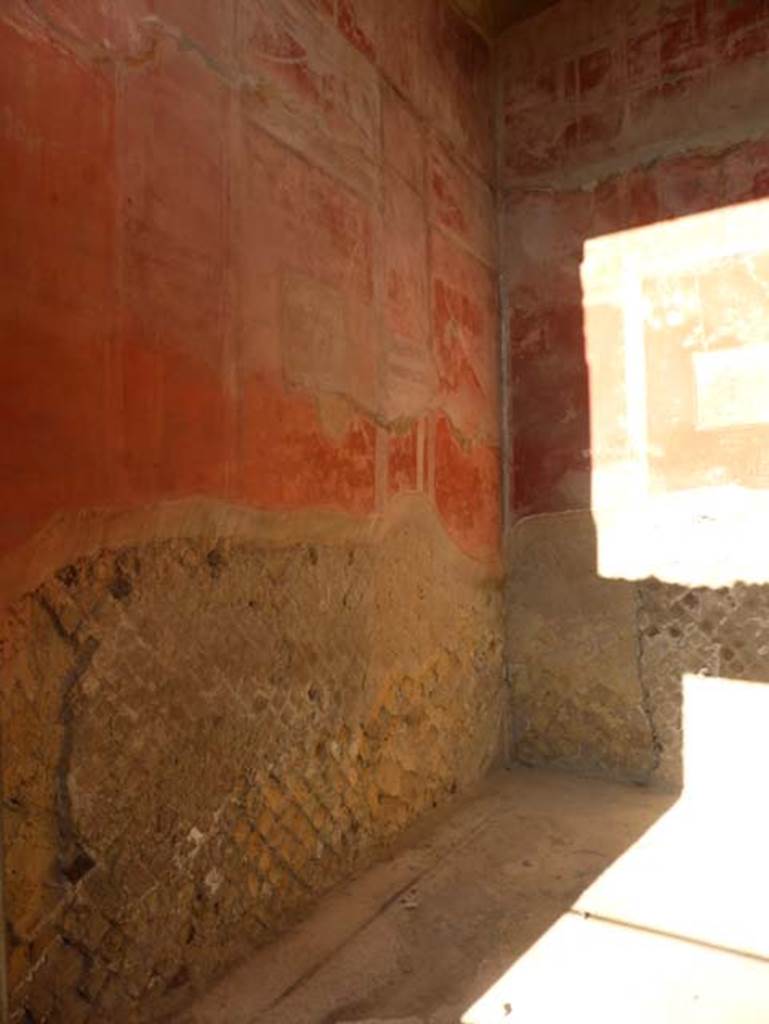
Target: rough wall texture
{"points": [[248, 251], [633, 167], [699, 631], [577, 693], [598, 665], [200, 737], [248, 255]]}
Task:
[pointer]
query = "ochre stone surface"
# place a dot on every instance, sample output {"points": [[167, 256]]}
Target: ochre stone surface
{"points": [[597, 666], [577, 692], [202, 736]]}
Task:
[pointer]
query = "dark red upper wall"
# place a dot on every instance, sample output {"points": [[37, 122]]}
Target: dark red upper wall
{"points": [[612, 115], [247, 252]]}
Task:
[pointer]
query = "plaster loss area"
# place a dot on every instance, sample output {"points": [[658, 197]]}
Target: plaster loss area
{"points": [[202, 738]]}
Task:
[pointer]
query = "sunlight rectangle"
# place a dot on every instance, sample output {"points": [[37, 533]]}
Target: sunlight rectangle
{"points": [[675, 321]]}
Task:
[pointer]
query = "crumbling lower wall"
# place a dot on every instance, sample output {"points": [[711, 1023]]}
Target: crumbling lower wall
{"points": [[577, 694], [720, 632], [598, 665], [200, 736]]}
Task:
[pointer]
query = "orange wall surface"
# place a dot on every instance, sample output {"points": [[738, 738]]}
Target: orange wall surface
{"points": [[247, 253]]}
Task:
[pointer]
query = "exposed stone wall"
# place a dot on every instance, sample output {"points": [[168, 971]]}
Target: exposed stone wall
{"points": [[722, 632], [199, 738], [598, 665], [578, 698]]}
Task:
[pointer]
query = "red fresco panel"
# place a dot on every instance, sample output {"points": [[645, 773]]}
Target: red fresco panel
{"points": [[467, 491], [404, 139], [56, 280], [406, 304], [290, 460], [402, 460], [465, 338], [461, 202], [174, 170]]}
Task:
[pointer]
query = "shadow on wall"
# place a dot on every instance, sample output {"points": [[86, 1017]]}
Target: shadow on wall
{"points": [[634, 169], [638, 625], [645, 563], [638, 592]]}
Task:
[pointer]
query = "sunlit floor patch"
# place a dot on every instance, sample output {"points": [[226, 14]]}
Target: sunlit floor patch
{"points": [[547, 899], [676, 928], [585, 969]]}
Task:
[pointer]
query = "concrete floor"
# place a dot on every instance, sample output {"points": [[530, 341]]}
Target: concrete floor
{"points": [[543, 898]]}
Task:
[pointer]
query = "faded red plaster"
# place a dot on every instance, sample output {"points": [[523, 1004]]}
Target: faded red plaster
{"points": [[467, 479], [459, 98], [177, 435], [57, 253], [406, 303], [404, 143], [464, 334], [404, 42], [305, 269], [614, 74], [359, 20], [207, 25], [552, 420], [311, 89], [460, 202], [132, 28], [298, 216], [96, 27], [289, 461], [171, 135], [402, 460], [684, 40], [747, 170], [203, 264]]}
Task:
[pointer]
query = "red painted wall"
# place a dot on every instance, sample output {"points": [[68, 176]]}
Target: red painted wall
{"points": [[612, 115], [247, 252]]}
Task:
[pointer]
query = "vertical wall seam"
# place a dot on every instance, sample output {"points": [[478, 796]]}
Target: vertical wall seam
{"points": [[647, 705], [505, 409], [4, 1018], [505, 405]]}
